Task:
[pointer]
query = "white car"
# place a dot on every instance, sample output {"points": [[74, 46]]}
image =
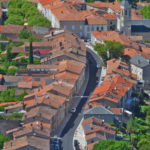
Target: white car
{"points": [[73, 110]]}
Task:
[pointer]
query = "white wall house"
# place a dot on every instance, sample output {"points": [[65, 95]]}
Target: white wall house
{"points": [[80, 27], [138, 71], [95, 40], [49, 15]]}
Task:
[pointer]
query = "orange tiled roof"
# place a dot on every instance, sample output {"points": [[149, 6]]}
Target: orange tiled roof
{"points": [[35, 123], [40, 111], [114, 64], [39, 128], [1, 76], [116, 111], [115, 36], [25, 84], [130, 52], [65, 11], [96, 128], [112, 89], [8, 103], [50, 99], [22, 142], [110, 16], [71, 66], [68, 77], [115, 6], [146, 52], [96, 20]]}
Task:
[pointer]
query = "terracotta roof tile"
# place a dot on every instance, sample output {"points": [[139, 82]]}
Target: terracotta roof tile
{"points": [[146, 52], [39, 129], [115, 6], [110, 16], [116, 111], [22, 142], [96, 128], [71, 66], [115, 36], [25, 84], [40, 111], [130, 52]]}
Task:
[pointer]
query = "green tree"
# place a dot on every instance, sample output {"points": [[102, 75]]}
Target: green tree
{"points": [[90, 1], [23, 11], [145, 12], [3, 70], [9, 54], [109, 50], [113, 145], [41, 21], [2, 140], [15, 19], [144, 144], [12, 71], [25, 34], [2, 108], [31, 53], [132, 126]]}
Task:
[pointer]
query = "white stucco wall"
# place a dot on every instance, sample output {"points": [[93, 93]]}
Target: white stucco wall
{"points": [[138, 71]]}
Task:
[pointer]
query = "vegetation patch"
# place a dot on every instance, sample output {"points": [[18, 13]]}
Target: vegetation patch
{"points": [[23, 11]]}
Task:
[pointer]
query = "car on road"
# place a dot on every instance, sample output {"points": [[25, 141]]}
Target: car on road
{"points": [[56, 144], [76, 145], [73, 110], [98, 65]]}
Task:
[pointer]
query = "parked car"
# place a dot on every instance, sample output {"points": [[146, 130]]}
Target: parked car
{"points": [[56, 144], [76, 145], [73, 110]]}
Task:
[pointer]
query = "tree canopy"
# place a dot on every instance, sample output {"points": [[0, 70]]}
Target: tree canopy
{"points": [[144, 144], [113, 145], [109, 50], [23, 11], [9, 96], [2, 140], [25, 34], [145, 12]]}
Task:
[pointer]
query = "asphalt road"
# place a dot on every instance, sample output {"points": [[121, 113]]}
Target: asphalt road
{"points": [[67, 133]]}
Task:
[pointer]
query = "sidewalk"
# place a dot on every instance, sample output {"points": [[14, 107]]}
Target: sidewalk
{"points": [[80, 136]]}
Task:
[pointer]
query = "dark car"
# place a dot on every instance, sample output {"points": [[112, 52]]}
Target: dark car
{"points": [[76, 145], [56, 144]]}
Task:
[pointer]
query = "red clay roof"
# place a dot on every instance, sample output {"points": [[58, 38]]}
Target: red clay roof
{"points": [[130, 52], [115, 36], [115, 6]]}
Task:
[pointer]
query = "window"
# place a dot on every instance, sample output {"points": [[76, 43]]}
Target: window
{"points": [[122, 12], [80, 27], [129, 13], [126, 12], [80, 34], [97, 28], [102, 28], [92, 28], [73, 27], [88, 28]]}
